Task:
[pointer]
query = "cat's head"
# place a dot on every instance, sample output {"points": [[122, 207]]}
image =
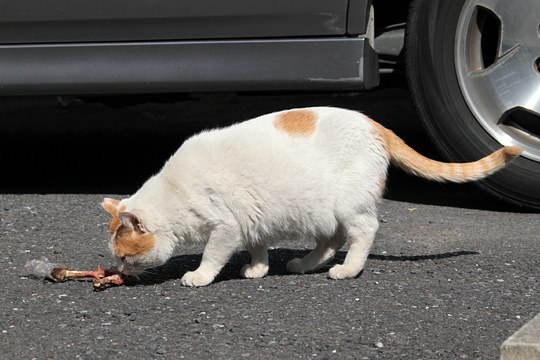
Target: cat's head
{"points": [[133, 240]]}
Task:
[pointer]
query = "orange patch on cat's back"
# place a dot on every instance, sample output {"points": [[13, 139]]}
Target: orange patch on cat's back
{"points": [[297, 122]]}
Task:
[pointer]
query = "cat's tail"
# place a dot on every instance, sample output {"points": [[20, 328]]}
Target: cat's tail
{"points": [[412, 162]]}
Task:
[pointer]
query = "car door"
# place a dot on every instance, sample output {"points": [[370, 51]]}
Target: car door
{"points": [[51, 47], [68, 21]]}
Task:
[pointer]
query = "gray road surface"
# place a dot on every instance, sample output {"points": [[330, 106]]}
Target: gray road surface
{"points": [[452, 273]]}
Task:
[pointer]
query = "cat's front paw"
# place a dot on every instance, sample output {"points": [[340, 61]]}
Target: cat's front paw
{"points": [[254, 272], [195, 279], [342, 272]]}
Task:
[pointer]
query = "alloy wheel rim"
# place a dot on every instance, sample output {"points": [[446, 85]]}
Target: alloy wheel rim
{"points": [[497, 57]]}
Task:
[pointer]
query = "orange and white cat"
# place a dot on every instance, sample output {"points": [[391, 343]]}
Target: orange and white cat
{"points": [[314, 173]]}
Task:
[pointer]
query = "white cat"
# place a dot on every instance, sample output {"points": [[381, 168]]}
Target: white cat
{"points": [[314, 173]]}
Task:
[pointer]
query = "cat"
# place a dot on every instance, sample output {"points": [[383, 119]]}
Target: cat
{"points": [[316, 173]]}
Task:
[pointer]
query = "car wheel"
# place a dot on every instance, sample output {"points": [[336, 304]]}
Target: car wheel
{"points": [[474, 74]]}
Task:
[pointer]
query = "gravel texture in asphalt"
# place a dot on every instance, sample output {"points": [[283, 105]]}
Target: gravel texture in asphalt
{"points": [[439, 281]]}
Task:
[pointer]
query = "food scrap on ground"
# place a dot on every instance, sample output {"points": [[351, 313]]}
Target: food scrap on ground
{"points": [[101, 277]]}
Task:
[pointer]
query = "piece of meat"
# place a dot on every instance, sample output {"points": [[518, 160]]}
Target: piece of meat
{"points": [[115, 279]]}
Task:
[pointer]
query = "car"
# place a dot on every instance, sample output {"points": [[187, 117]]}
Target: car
{"points": [[473, 66]]}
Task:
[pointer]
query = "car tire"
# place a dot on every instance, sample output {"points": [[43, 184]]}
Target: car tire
{"points": [[458, 67]]}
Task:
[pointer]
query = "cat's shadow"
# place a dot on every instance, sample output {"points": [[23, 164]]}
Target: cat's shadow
{"points": [[177, 266]]}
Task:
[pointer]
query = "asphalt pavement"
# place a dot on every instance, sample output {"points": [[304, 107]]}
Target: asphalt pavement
{"points": [[451, 275]]}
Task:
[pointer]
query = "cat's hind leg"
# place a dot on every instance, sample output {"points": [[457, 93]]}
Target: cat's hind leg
{"points": [[224, 241], [360, 230], [259, 262], [324, 251]]}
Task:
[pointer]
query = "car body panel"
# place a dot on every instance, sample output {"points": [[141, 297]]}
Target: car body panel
{"points": [[72, 47], [53, 21]]}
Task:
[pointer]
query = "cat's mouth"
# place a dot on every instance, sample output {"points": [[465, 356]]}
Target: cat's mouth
{"points": [[130, 269]]}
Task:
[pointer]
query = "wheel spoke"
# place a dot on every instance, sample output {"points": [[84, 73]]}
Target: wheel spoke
{"points": [[520, 21], [509, 83]]}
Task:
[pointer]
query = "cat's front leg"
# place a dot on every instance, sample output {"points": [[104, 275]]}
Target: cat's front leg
{"points": [[222, 244], [259, 262]]}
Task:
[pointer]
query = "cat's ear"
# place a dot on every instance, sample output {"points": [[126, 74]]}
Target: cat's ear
{"points": [[133, 222], [110, 205]]}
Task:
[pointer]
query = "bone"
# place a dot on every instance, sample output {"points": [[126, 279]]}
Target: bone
{"points": [[63, 274], [101, 277]]}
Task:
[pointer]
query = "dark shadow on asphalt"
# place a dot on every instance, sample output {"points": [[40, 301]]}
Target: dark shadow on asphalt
{"points": [[177, 266], [64, 145], [421, 257]]}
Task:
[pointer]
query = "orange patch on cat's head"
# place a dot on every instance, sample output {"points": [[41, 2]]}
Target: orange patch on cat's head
{"points": [[130, 238], [129, 242], [297, 122], [112, 206]]}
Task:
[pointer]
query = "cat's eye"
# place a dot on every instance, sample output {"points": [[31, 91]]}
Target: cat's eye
{"points": [[122, 258]]}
